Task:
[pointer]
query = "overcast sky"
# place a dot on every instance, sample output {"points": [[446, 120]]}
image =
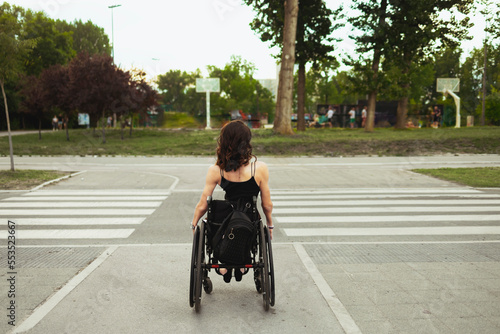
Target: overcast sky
{"points": [[158, 36]]}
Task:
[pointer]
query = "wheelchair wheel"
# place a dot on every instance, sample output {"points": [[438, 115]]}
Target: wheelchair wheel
{"points": [[200, 259], [263, 258], [271, 266], [194, 258], [207, 285]]}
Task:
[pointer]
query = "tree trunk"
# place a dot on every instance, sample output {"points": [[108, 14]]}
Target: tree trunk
{"points": [[283, 121], [103, 128], [402, 112], [11, 149], [277, 115], [370, 115], [483, 107], [372, 96], [403, 101], [67, 132], [130, 124], [39, 128], [301, 96]]}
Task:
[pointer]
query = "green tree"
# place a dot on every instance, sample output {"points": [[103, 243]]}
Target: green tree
{"points": [[86, 36], [493, 107], [416, 28], [240, 90], [373, 40], [313, 38], [12, 49], [277, 22], [53, 46], [471, 80], [174, 85]]}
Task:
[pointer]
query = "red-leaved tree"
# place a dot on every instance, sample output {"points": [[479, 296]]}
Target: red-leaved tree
{"points": [[95, 85]]}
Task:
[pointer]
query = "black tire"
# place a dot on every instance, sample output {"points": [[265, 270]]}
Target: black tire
{"points": [[207, 285], [271, 266], [263, 258], [192, 278], [257, 277], [200, 256]]}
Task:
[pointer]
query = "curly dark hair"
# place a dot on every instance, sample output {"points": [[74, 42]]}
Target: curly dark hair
{"points": [[233, 146]]}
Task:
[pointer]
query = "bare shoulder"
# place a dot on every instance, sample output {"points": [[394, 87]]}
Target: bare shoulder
{"points": [[214, 169], [261, 171], [213, 173], [261, 165]]}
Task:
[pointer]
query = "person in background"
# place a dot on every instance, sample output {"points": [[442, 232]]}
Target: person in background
{"points": [[55, 121], [364, 113], [329, 115], [352, 117]]}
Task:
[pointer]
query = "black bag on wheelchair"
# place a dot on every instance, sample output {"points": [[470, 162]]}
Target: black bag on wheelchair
{"points": [[233, 240]]}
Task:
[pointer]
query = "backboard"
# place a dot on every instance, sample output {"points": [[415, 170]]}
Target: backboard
{"points": [[207, 85], [451, 84]]}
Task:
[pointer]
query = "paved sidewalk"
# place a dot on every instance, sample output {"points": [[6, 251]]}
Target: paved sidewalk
{"points": [[144, 289], [415, 288]]}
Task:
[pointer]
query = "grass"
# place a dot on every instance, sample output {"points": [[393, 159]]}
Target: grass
{"points": [[474, 177], [322, 142], [175, 120], [26, 179]]}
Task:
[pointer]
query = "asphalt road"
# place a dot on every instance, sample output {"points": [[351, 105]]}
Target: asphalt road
{"points": [[362, 245]]}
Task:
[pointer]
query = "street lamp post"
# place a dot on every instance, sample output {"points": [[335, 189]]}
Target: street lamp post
{"points": [[112, 32]]}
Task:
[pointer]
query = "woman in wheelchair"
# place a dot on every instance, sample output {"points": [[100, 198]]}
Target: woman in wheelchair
{"points": [[239, 174]]}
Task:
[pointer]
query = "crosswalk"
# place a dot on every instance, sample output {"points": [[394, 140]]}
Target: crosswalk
{"points": [[439, 212], [79, 214]]}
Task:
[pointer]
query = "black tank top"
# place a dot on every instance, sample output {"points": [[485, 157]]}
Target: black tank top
{"points": [[236, 190]]}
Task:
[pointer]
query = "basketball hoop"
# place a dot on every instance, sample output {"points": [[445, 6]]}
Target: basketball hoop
{"points": [[450, 86]]}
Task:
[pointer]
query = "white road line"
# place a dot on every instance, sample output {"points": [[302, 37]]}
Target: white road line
{"points": [[407, 209], [338, 309], [43, 309], [100, 192], [76, 212], [70, 234], [78, 221], [382, 219], [379, 196], [277, 204], [392, 231], [100, 204], [84, 198], [431, 191]]}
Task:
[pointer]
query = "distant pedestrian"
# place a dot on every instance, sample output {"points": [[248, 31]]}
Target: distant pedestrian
{"points": [[364, 113], [110, 121], [436, 122], [55, 122], [329, 115], [352, 117]]}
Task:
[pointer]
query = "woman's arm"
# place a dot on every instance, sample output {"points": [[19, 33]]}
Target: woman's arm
{"points": [[265, 193], [211, 181]]}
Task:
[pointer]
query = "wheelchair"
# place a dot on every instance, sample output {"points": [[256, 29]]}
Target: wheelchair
{"points": [[203, 260]]}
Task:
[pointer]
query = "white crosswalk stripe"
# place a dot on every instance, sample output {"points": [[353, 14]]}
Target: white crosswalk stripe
{"points": [[387, 212], [68, 212]]}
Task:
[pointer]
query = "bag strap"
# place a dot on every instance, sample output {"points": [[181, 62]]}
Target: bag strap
{"points": [[218, 235]]}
